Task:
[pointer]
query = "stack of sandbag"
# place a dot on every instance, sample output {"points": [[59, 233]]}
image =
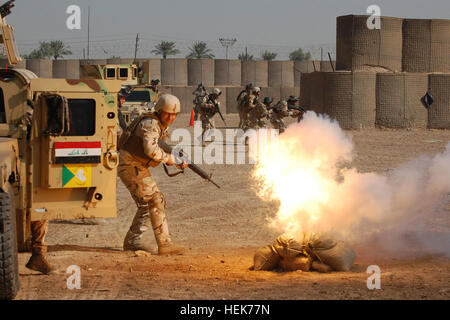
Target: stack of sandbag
{"points": [[314, 252]]}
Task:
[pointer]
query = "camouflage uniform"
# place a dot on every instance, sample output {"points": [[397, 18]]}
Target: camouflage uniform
{"points": [[154, 97], [200, 98], [140, 152], [256, 116], [39, 229], [279, 111]]}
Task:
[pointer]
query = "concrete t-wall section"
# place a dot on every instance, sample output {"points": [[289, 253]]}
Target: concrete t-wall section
{"points": [[227, 72], [398, 102], [301, 67], [186, 98], [66, 69], [201, 71], [358, 46], [93, 62], [281, 74], [289, 91], [232, 93], [4, 63], [327, 66], [439, 111], [305, 90], [151, 69], [426, 45], [350, 98], [174, 72], [272, 92], [318, 91], [255, 72], [42, 68]]}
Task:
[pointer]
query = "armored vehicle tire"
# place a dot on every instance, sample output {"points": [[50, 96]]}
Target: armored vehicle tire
{"points": [[9, 271]]}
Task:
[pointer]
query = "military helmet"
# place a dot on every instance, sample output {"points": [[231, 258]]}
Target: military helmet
{"points": [[256, 89], [249, 86], [267, 100], [154, 82], [124, 91], [168, 103], [292, 99], [217, 91]]}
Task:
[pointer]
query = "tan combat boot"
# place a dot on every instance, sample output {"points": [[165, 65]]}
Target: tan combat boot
{"points": [[171, 248], [134, 242], [38, 262], [161, 230]]}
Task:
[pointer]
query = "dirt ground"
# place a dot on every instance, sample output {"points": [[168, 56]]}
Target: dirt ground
{"points": [[223, 228]]}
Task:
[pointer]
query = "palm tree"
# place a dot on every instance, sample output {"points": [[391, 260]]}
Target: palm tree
{"points": [[244, 56], [299, 55], [268, 56], [200, 50], [57, 49], [165, 48]]}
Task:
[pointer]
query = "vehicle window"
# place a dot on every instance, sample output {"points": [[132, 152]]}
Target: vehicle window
{"points": [[82, 117], [123, 73], [138, 96], [110, 73], [2, 107]]}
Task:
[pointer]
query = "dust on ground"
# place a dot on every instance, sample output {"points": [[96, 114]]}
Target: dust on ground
{"points": [[223, 228]]}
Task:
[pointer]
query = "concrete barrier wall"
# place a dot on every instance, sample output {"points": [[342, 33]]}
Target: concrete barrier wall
{"points": [[231, 95], [42, 68], [201, 71], [299, 68], [290, 91], [426, 45], [66, 69], [327, 66], [4, 63], [305, 90], [350, 98], [317, 89], [174, 72], [185, 96], [281, 74], [358, 46], [93, 62], [255, 72], [439, 111], [398, 102], [227, 72]]}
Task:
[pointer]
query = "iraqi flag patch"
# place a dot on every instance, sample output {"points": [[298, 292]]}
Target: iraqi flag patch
{"points": [[78, 152]]}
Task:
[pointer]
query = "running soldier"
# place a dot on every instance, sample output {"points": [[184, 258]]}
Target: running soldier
{"points": [[208, 109], [241, 101], [200, 94]]}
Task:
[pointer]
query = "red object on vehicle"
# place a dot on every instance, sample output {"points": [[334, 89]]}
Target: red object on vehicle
{"points": [[191, 123]]}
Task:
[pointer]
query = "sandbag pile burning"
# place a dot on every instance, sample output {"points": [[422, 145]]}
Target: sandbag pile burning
{"points": [[314, 252], [322, 198]]}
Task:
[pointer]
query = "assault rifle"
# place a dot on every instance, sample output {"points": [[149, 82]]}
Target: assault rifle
{"points": [[5, 9], [302, 111], [216, 108], [168, 149]]}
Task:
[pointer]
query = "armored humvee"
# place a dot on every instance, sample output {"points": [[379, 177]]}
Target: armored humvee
{"points": [[58, 154]]}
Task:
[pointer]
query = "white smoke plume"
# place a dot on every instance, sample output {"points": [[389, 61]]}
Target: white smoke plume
{"points": [[309, 173]]}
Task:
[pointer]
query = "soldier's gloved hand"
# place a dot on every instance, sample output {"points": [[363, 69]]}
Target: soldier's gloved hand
{"points": [[176, 161]]}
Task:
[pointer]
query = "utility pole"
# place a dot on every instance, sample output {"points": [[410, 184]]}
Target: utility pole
{"points": [[89, 21], [136, 46], [227, 43], [321, 54]]}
